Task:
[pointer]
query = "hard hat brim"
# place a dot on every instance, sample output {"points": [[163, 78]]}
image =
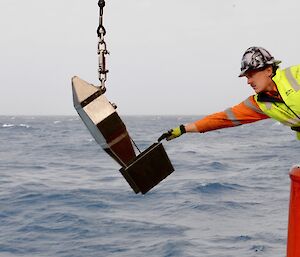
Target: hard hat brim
{"points": [[243, 72]]}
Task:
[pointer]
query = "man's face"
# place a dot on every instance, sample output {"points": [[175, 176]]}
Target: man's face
{"points": [[260, 80]]}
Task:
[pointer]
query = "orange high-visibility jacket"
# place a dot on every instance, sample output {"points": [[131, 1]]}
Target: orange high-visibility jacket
{"points": [[246, 112]]}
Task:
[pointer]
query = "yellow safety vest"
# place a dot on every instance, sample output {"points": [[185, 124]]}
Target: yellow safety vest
{"points": [[288, 85]]}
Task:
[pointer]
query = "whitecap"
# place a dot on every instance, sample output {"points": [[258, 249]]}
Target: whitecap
{"points": [[71, 119], [7, 125], [24, 125], [277, 124]]}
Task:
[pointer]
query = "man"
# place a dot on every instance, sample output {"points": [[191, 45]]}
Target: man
{"points": [[277, 96]]}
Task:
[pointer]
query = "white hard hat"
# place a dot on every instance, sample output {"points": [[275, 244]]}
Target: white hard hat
{"points": [[256, 58]]}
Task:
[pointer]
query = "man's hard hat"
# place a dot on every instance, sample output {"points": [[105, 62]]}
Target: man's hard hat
{"points": [[256, 58]]}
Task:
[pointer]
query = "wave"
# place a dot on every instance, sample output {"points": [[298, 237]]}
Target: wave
{"points": [[215, 188], [215, 165], [10, 125], [7, 125], [258, 248], [233, 239]]}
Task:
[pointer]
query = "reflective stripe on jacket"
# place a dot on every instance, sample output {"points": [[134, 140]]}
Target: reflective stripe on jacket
{"points": [[247, 111]]}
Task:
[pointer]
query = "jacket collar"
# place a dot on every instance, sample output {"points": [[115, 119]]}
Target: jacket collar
{"points": [[265, 97]]}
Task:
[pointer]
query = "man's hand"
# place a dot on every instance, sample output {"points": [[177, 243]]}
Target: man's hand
{"points": [[173, 133]]}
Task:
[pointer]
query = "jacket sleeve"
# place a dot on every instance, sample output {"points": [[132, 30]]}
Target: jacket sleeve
{"points": [[246, 112]]}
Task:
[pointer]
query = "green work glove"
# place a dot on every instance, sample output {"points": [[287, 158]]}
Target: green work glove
{"points": [[173, 133]]}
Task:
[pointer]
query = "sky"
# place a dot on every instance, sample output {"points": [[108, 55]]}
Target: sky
{"points": [[167, 57]]}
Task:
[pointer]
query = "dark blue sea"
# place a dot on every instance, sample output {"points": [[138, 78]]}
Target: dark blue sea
{"points": [[61, 195]]}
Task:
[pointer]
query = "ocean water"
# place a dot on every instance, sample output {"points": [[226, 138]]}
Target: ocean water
{"points": [[62, 195]]}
